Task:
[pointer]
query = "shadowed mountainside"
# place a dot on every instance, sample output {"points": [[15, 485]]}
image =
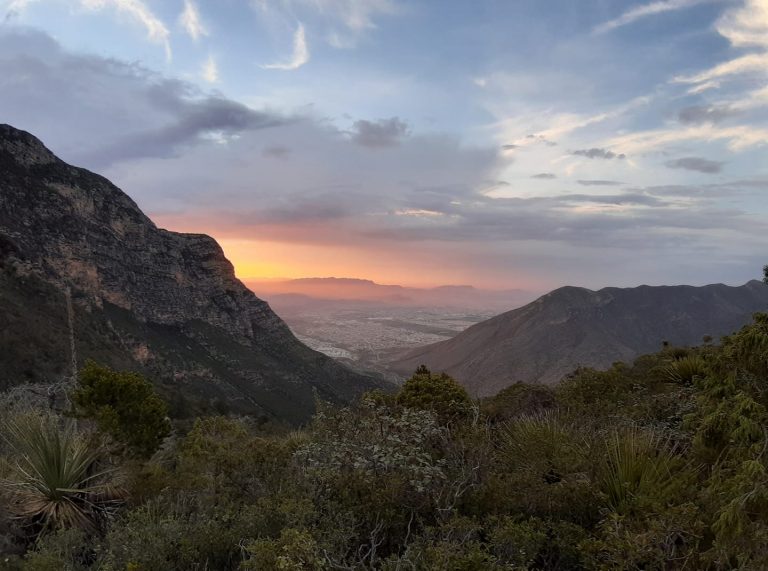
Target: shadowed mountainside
{"points": [[164, 303], [570, 327]]}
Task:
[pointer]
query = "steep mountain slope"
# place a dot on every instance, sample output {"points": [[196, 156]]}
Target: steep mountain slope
{"points": [[546, 339], [143, 297]]}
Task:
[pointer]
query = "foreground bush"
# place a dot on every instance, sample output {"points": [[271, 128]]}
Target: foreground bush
{"points": [[657, 465]]}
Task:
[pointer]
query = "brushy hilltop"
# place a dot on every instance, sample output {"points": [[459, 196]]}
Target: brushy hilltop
{"points": [[571, 326], [660, 464]]}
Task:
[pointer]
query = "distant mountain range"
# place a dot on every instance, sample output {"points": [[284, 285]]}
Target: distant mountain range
{"points": [[143, 298], [548, 338], [350, 289]]}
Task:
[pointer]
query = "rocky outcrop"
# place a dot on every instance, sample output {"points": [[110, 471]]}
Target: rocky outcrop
{"points": [[160, 293]]}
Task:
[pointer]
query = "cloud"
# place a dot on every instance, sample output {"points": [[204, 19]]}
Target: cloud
{"points": [[191, 22], [737, 137], [116, 111], [596, 153], [136, 10], [545, 176], [541, 139], [599, 182], [193, 122], [744, 26], [356, 15], [381, 133], [156, 30], [746, 64], [210, 70], [644, 11], [300, 54], [345, 21], [696, 164], [276, 151], [281, 184], [698, 114], [510, 147]]}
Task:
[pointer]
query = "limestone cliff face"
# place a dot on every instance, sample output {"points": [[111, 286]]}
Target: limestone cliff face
{"points": [[70, 227]]}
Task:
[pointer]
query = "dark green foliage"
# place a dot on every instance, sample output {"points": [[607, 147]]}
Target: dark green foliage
{"points": [[657, 465], [436, 392], [124, 406], [518, 400]]}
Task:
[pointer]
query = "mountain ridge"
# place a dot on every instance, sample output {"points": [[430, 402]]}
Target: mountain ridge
{"points": [[571, 326], [358, 289], [69, 228]]}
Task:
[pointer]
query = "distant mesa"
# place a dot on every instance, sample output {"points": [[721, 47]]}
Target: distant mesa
{"points": [[353, 289]]}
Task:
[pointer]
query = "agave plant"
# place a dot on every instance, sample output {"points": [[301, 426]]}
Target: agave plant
{"points": [[638, 464], [686, 369], [55, 482], [541, 440]]}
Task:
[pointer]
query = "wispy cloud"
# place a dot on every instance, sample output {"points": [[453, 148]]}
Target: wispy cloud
{"points": [[599, 182], [191, 22], [596, 153], [756, 62], [639, 12], [300, 54], [345, 21], [137, 10], [744, 26], [210, 71], [357, 15]]}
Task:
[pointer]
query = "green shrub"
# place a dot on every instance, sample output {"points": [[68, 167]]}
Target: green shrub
{"points": [[124, 406], [440, 394]]}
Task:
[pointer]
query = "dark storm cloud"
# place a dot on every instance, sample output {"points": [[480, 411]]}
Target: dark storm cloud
{"points": [[599, 182], [699, 114], [381, 133], [595, 153], [696, 164], [545, 176]]}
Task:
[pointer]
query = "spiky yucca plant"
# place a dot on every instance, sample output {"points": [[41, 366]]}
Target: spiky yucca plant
{"points": [[638, 463], [54, 481], [686, 369]]}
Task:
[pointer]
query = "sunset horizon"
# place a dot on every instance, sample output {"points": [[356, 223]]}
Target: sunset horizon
{"points": [[526, 145]]}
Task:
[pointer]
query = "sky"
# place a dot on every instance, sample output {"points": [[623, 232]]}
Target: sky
{"points": [[499, 143]]}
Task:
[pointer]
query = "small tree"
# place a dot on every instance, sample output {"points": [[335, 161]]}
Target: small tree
{"points": [[439, 393], [124, 405]]}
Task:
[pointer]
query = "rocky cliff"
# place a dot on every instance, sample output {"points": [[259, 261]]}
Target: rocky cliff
{"points": [[571, 327], [166, 303]]}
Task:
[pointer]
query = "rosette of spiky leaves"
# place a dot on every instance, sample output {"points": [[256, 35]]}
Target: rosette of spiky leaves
{"points": [[55, 481]]}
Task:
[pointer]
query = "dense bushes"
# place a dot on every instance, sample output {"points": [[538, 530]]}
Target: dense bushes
{"points": [[656, 465]]}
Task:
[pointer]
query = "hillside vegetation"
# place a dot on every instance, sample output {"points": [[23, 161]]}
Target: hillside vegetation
{"points": [[660, 464]]}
